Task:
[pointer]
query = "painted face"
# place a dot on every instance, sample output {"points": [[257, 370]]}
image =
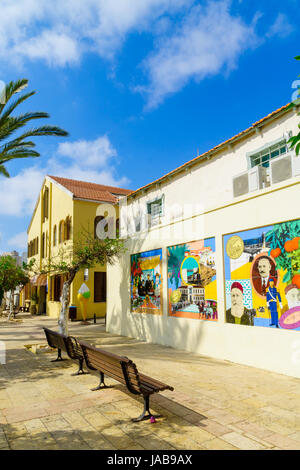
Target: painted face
{"points": [[272, 284], [293, 298], [236, 297], [264, 267]]}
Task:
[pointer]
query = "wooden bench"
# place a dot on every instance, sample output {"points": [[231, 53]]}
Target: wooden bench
{"points": [[69, 344], [123, 370]]}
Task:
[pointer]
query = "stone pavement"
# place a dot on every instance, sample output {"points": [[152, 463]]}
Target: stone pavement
{"points": [[215, 404]]}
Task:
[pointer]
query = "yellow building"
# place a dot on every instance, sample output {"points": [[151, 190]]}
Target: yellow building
{"points": [[65, 208]]}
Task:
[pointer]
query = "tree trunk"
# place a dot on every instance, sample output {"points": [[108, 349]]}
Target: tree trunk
{"points": [[11, 306], [63, 316]]}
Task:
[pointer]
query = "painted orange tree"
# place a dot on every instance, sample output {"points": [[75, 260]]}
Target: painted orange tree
{"points": [[285, 248]]}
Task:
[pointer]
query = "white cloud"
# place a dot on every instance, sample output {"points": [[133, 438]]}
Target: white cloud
{"points": [[19, 241], [209, 41], [97, 152], [94, 161], [60, 31], [281, 27]]}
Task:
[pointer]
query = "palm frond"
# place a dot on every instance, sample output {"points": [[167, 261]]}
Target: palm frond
{"points": [[22, 152], [13, 106], [45, 130], [11, 124], [20, 147], [12, 88], [3, 171]]}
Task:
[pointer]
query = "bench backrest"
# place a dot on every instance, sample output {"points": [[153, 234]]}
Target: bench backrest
{"points": [[55, 339], [117, 367], [73, 348]]}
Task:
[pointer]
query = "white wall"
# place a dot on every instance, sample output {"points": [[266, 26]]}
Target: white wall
{"points": [[266, 348]]}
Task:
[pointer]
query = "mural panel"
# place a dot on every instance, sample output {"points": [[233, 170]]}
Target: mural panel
{"points": [[146, 282], [192, 284], [262, 276]]}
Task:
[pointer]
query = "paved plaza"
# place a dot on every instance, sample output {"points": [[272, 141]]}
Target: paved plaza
{"points": [[215, 404]]}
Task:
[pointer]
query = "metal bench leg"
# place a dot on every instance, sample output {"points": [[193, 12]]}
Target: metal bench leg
{"points": [[59, 357], [80, 370], [101, 383], [145, 416]]}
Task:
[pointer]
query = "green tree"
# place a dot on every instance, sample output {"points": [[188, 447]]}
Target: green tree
{"points": [[20, 146], [85, 252], [295, 140], [11, 276]]}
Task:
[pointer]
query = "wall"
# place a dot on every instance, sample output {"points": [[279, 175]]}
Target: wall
{"points": [[266, 348]]}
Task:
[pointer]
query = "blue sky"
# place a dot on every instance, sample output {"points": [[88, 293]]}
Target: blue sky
{"points": [[140, 85]]}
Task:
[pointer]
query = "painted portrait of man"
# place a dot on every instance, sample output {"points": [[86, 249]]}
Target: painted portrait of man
{"points": [[238, 313], [263, 271]]}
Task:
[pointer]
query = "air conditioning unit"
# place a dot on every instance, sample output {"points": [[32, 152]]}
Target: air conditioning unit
{"points": [[284, 168], [249, 181]]}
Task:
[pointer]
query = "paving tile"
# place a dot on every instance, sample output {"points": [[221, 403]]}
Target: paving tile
{"points": [[242, 442]]}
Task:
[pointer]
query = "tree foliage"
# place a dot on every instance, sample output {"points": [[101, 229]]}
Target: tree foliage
{"points": [[11, 275], [21, 146]]}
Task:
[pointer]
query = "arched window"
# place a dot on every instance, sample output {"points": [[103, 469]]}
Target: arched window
{"points": [[43, 246], [46, 203], [61, 234], [54, 236], [68, 228]]}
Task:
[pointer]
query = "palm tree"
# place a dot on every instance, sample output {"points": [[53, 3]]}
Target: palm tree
{"points": [[19, 147]]}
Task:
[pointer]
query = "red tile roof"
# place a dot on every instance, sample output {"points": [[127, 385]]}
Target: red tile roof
{"points": [[91, 191], [254, 126]]}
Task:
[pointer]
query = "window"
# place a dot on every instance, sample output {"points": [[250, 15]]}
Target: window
{"points": [[99, 287], [46, 203], [43, 246], [61, 234], [56, 288], [263, 158], [67, 228], [155, 209], [54, 236]]}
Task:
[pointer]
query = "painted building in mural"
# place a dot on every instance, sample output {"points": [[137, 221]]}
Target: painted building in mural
{"points": [[65, 210], [227, 226], [192, 281]]}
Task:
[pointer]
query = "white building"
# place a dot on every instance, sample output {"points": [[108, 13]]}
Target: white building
{"points": [[252, 180]]}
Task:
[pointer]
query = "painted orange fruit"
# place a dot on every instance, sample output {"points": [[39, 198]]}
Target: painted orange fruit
{"points": [[296, 280], [289, 246], [276, 252]]}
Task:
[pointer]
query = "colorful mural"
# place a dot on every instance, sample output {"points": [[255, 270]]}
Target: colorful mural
{"points": [[262, 276], [146, 282], [192, 284]]}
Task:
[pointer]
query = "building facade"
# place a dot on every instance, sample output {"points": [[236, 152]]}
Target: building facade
{"points": [[64, 210], [217, 243]]}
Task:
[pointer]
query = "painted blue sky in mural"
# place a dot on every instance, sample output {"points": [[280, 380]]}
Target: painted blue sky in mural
{"points": [[247, 236], [141, 86]]}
